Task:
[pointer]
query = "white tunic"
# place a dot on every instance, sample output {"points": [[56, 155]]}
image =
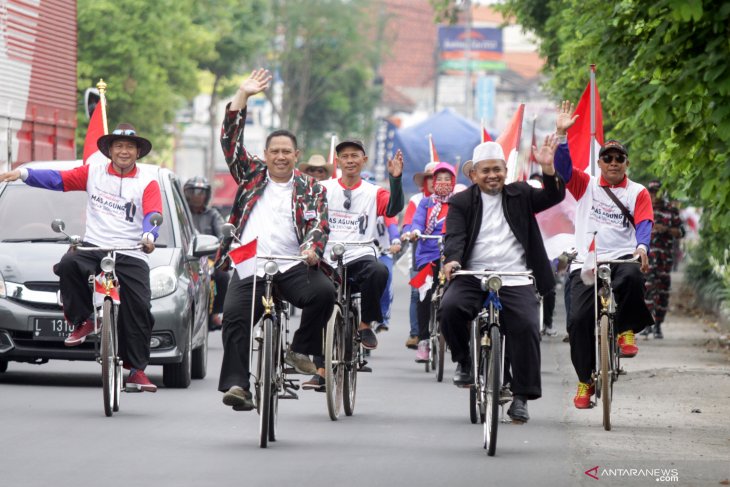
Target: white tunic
{"points": [[496, 247]]}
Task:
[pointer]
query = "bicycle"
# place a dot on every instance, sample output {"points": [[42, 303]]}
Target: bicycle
{"points": [[608, 361], [105, 289], [271, 335], [437, 348], [487, 393], [343, 356]]}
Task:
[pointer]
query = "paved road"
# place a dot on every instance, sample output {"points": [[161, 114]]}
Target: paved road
{"points": [[407, 430]]}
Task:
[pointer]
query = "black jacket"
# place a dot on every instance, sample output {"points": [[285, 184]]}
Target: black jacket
{"points": [[520, 202]]}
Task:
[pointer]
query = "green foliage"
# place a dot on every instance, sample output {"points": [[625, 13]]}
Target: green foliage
{"points": [[148, 54], [326, 55], [664, 80]]}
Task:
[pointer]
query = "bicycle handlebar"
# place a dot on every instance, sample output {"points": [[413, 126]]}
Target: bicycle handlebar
{"points": [[633, 260], [282, 257], [110, 249], [355, 243], [492, 273], [430, 237]]}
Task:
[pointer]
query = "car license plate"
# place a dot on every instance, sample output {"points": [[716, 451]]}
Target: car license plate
{"points": [[51, 329]]}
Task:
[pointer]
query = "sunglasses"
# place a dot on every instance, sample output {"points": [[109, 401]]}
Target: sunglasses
{"points": [[124, 132], [609, 158], [348, 198]]}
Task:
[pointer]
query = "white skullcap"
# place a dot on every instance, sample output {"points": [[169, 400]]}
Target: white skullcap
{"points": [[487, 150]]}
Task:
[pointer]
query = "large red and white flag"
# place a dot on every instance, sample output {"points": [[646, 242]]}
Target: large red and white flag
{"points": [[244, 259], [580, 137], [96, 130], [422, 281], [509, 139], [588, 272]]}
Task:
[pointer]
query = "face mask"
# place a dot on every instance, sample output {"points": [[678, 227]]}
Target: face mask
{"points": [[443, 188]]}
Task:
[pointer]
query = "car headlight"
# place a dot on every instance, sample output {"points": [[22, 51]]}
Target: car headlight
{"points": [[163, 281], [3, 290]]}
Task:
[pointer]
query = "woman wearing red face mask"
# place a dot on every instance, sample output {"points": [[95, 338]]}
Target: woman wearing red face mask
{"points": [[430, 219]]}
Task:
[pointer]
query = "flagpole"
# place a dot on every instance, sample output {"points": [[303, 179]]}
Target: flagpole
{"points": [[101, 86], [533, 143], [331, 157], [593, 120]]}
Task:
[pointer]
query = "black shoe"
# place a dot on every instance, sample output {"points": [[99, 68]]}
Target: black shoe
{"points": [[381, 328], [238, 398], [367, 338], [518, 411], [316, 383], [463, 376]]}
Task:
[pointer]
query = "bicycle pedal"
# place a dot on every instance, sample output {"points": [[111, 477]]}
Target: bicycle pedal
{"points": [[621, 371], [290, 370], [289, 395]]}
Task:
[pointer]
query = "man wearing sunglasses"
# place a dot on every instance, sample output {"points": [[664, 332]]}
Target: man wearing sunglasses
{"points": [[122, 198], [618, 212], [354, 208]]}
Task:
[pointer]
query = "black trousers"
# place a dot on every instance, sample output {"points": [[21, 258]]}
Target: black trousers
{"points": [[631, 314], [548, 308], [370, 277], [423, 308], [305, 287], [519, 319], [221, 279], [135, 317]]}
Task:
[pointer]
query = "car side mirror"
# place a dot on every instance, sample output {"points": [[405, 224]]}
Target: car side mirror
{"points": [[205, 245]]}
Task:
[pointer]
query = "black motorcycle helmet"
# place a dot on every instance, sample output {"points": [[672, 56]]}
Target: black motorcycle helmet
{"points": [[195, 185]]}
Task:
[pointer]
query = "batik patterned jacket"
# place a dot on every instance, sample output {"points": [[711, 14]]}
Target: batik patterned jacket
{"points": [[309, 202]]}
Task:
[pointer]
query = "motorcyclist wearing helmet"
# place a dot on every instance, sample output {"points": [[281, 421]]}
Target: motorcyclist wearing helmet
{"points": [[208, 221]]}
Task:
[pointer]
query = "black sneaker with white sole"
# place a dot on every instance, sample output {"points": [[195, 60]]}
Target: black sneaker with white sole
{"points": [[316, 383], [367, 338]]}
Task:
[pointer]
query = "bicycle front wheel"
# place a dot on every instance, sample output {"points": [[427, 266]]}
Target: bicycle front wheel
{"points": [[492, 379], [442, 357], [352, 349], [117, 361], [108, 359], [605, 374], [276, 380], [266, 367], [334, 363]]}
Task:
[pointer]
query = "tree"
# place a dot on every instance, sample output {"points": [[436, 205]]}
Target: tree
{"points": [[665, 87], [239, 33], [148, 54], [326, 54]]}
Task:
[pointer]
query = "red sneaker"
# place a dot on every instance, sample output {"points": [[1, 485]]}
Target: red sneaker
{"points": [[627, 344], [78, 336], [138, 382], [582, 399]]}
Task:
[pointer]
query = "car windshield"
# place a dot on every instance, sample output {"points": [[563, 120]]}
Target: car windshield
{"points": [[26, 214]]}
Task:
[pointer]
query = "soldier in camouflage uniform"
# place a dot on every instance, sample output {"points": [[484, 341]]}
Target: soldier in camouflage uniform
{"points": [[286, 212], [667, 228]]}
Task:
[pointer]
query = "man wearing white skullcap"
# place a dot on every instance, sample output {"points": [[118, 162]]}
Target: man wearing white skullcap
{"points": [[492, 226]]}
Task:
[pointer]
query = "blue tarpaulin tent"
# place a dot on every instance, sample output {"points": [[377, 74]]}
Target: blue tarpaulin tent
{"points": [[453, 135]]}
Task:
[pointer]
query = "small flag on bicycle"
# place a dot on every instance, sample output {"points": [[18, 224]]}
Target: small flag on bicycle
{"points": [[422, 281], [244, 259], [588, 272]]}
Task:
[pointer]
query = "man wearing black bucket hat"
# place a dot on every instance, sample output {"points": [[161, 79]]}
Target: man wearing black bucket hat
{"points": [[123, 197]]}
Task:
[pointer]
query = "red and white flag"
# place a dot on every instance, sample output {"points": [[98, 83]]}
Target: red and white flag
{"points": [[100, 292], [580, 137], [332, 159], [244, 259], [588, 272], [96, 130], [422, 281], [433, 154], [510, 142], [485, 134]]}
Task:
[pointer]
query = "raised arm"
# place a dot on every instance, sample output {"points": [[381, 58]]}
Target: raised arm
{"points": [[239, 161]]}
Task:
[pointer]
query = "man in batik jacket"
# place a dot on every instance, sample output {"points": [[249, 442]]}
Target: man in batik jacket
{"points": [[286, 213]]}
